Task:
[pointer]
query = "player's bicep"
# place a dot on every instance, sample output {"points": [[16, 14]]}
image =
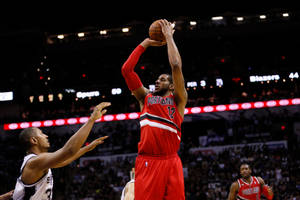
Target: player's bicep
{"points": [[140, 93]]}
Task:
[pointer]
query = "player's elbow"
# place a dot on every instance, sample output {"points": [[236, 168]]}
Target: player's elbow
{"points": [[125, 69], [176, 64]]}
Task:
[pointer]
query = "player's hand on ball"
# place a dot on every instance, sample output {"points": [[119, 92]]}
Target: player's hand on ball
{"points": [[167, 28], [148, 42], [99, 110]]}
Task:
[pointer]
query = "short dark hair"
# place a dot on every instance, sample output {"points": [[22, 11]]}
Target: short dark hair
{"points": [[244, 163], [25, 136]]}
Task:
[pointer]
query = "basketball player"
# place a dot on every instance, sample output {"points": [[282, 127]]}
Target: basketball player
{"points": [[7, 195], [35, 181], [158, 168], [128, 191], [249, 187]]}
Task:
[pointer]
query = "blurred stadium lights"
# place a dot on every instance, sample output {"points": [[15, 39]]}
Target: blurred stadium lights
{"points": [[125, 30], [262, 17], [191, 84], [202, 83], [151, 88], [239, 19], [87, 94], [193, 23], [216, 20], [285, 15], [41, 98], [219, 82], [61, 37], [103, 32], [116, 91], [6, 96], [81, 34], [264, 78]]}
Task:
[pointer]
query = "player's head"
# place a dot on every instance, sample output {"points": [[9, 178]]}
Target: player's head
{"points": [[245, 170], [163, 84], [34, 138]]}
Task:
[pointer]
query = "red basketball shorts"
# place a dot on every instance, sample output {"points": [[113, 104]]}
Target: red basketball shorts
{"points": [[159, 178]]}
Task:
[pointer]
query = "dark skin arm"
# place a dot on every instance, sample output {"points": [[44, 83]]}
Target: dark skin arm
{"points": [[180, 93], [82, 151], [233, 191], [7, 195], [37, 166]]}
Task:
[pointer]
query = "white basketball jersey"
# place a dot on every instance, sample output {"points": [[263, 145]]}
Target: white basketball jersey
{"points": [[41, 190], [123, 192]]}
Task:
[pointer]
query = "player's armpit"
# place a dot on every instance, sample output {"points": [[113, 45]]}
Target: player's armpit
{"points": [[140, 94]]}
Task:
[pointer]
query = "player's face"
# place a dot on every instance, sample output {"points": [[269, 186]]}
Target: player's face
{"points": [[43, 140], [245, 171], [162, 85]]}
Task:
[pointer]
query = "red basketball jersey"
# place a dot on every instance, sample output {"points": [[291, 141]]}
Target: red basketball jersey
{"points": [[249, 191], [160, 124]]}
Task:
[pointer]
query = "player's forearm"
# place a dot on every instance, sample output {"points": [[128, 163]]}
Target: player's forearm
{"points": [[81, 152], [6, 196], [132, 60], [76, 141], [173, 53]]}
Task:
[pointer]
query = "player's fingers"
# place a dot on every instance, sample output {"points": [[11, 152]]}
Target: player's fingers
{"points": [[103, 105], [103, 111], [161, 23], [165, 21], [103, 138]]}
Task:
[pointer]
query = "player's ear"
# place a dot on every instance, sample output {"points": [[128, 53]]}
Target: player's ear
{"points": [[33, 140], [171, 86]]}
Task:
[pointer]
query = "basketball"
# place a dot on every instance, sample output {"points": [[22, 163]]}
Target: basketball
{"points": [[155, 32]]}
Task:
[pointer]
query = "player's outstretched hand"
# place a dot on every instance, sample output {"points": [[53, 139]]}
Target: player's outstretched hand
{"points": [[99, 110], [95, 143]]}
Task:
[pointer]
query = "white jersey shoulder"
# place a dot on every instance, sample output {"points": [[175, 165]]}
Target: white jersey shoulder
{"points": [[123, 192], [41, 190]]}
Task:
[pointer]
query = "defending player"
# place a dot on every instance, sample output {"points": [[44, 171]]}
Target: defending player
{"points": [[35, 181]]}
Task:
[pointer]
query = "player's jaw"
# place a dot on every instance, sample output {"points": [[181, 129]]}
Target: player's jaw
{"points": [[245, 174]]}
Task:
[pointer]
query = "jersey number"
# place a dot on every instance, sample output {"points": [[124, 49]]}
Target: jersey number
{"points": [[171, 112], [48, 192]]}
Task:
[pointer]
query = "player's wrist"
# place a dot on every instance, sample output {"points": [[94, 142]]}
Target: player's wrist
{"points": [[145, 44], [92, 119]]}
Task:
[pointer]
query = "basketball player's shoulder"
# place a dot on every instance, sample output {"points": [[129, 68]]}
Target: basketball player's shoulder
{"points": [[259, 179], [235, 184]]}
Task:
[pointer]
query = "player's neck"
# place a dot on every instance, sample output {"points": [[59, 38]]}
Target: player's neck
{"points": [[34, 150], [248, 179], [167, 93]]}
